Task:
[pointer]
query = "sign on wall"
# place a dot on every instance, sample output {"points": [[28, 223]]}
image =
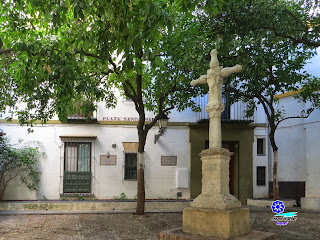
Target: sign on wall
{"points": [[130, 119], [168, 160], [108, 159]]}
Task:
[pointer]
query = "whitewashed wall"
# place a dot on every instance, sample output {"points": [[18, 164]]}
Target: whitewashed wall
{"points": [[291, 138], [126, 109], [260, 161], [108, 180], [298, 143]]}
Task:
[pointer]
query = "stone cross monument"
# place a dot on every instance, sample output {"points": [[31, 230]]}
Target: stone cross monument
{"points": [[215, 212], [214, 79]]}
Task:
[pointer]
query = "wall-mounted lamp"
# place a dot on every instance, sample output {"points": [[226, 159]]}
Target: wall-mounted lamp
{"points": [[114, 145], [163, 123]]}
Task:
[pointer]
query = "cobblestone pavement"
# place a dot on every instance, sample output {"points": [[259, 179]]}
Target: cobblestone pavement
{"points": [[128, 226]]}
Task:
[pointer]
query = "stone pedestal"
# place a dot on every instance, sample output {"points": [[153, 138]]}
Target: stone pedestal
{"points": [[215, 181], [216, 223], [215, 212], [311, 203]]}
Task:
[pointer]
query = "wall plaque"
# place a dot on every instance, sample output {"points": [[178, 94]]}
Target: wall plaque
{"points": [[105, 160], [168, 160]]}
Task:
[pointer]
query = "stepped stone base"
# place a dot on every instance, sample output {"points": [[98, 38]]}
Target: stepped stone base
{"points": [[178, 234], [310, 203], [216, 223]]}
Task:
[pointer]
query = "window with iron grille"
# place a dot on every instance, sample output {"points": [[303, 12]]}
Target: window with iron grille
{"points": [[261, 146], [78, 154], [77, 157], [130, 166], [261, 176]]}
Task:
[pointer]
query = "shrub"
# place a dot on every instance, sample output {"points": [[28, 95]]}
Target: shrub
{"points": [[18, 161]]}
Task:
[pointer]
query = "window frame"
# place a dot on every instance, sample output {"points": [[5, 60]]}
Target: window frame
{"points": [[134, 176], [77, 143], [263, 146], [258, 178]]}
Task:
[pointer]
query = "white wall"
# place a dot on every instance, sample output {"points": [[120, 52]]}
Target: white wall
{"points": [[295, 138], [108, 180], [298, 149], [261, 161], [126, 108], [313, 159]]}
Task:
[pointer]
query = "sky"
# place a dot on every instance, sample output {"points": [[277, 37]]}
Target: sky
{"points": [[313, 67]]}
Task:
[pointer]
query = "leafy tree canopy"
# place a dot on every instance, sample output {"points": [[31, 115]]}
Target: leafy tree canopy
{"points": [[272, 40], [56, 53]]}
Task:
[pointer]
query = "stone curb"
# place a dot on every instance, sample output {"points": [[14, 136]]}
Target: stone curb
{"points": [[71, 212]]}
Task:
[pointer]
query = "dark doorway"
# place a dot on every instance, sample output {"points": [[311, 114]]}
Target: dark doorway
{"points": [[231, 147]]}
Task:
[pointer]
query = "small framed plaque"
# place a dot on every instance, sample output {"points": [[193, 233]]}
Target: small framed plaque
{"points": [[108, 160], [168, 160]]}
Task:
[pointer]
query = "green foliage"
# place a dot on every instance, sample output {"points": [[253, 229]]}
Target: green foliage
{"points": [[18, 162], [122, 196], [65, 52], [74, 51], [80, 197], [265, 38]]}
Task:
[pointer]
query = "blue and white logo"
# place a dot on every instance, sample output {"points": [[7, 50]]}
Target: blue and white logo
{"points": [[277, 206], [280, 217]]}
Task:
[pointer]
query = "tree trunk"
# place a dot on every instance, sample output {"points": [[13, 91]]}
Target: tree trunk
{"points": [[275, 176], [275, 189], [141, 198]]}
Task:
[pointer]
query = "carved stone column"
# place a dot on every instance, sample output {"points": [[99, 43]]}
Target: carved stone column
{"points": [[214, 110]]}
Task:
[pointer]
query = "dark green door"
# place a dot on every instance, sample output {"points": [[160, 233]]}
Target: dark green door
{"points": [[77, 167]]}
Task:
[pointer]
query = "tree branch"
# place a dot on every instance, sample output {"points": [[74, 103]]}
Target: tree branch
{"points": [[131, 87], [128, 94], [297, 20], [306, 116], [114, 65], [299, 40], [264, 105], [88, 54], [5, 51]]}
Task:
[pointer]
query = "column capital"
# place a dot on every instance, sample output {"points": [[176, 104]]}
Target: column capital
{"points": [[215, 109]]}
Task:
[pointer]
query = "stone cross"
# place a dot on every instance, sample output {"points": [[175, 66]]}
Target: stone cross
{"points": [[214, 79]]}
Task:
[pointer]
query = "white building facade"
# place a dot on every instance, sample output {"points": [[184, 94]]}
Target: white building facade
{"points": [[106, 150], [100, 158]]}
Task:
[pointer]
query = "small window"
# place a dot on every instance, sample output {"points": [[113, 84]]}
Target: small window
{"points": [[261, 176], [130, 166], [261, 146]]}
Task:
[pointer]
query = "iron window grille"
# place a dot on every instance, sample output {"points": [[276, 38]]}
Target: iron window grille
{"points": [[78, 155], [130, 166], [261, 146], [261, 176]]}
